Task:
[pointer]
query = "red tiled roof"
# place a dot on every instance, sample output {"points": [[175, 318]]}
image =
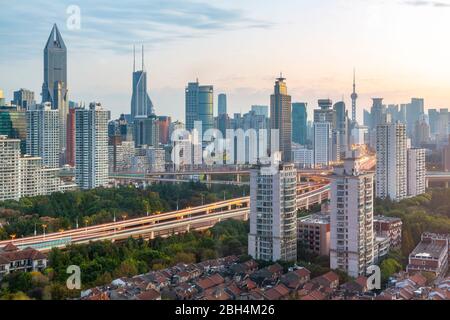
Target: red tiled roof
{"points": [[151, 294], [25, 254], [302, 272], [418, 279], [10, 247], [362, 281], [331, 276]]}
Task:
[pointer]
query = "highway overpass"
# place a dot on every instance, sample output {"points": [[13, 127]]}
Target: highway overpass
{"points": [[165, 224]]}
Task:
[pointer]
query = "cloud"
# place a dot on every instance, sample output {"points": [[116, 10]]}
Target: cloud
{"points": [[115, 26], [430, 3]]}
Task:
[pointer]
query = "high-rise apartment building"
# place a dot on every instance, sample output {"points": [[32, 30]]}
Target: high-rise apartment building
{"points": [[416, 172], [323, 148], [9, 168], [351, 247], [273, 214], [280, 118], [391, 153], [299, 122], [91, 146], [54, 89], [43, 131], [25, 176]]}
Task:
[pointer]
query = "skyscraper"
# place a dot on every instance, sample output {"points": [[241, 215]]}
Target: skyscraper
{"points": [[391, 149], [43, 130], [199, 102], [13, 124], [9, 168], [273, 214], [351, 229], [378, 113], [341, 125], [416, 172], [325, 113], [91, 146], [54, 89], [299, 122], [222, 104], [141, 104], [323, 148], [23, 99], [261, 110], [413, 112], [354, 96], [280, 118]]}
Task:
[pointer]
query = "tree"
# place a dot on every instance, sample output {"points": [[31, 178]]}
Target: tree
{"points": [[389, 267]]}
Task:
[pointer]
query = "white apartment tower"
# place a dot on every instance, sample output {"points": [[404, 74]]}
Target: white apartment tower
{"points": [[91, 146], [9, 168], [25, 176], [351, 228], [273, 213], [416, 172], [43, 125], [323, 148], [391, 150]]}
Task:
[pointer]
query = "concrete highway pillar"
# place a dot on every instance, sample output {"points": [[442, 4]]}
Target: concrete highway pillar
{"points": [[238, 178]]}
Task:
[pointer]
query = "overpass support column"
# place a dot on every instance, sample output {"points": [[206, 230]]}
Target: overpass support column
{"points": [[188, 228], [238, 178], [152, 235], [446, 184]]}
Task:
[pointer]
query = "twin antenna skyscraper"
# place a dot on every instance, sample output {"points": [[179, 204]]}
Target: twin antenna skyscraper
{"points": [[134, 58]]}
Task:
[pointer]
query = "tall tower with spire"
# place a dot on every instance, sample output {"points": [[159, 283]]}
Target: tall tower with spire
{"points": [[354, 96], [280, 117], [141, 104], [54, 88]]}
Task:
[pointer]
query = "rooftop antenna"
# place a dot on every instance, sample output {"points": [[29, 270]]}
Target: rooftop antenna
{"points": [[142, 57], [134, 58]]}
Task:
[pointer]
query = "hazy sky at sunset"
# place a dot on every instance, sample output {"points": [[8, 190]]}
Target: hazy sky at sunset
{"points": [[400, 49]]}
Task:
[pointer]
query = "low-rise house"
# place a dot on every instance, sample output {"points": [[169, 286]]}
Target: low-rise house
{"points": [[12, 259], [294, 279], [279, 292], [151, 294]]}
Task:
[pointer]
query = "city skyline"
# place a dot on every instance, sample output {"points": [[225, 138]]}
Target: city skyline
{"points": [[406, 72]]}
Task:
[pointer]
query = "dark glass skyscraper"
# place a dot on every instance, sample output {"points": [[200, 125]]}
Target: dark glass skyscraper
{"points": [[141, 104], [222, 104], [299, 122], [54, 88], [199, 106], [280, 117]]}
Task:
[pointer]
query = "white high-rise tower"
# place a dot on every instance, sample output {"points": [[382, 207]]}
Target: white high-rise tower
{"points": [[91, 146], [351, 229]]}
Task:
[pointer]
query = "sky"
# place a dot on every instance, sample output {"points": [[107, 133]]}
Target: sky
{"points": [[400, 49]]}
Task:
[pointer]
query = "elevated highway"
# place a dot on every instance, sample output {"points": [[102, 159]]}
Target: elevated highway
{"points": [[165, 224]]}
